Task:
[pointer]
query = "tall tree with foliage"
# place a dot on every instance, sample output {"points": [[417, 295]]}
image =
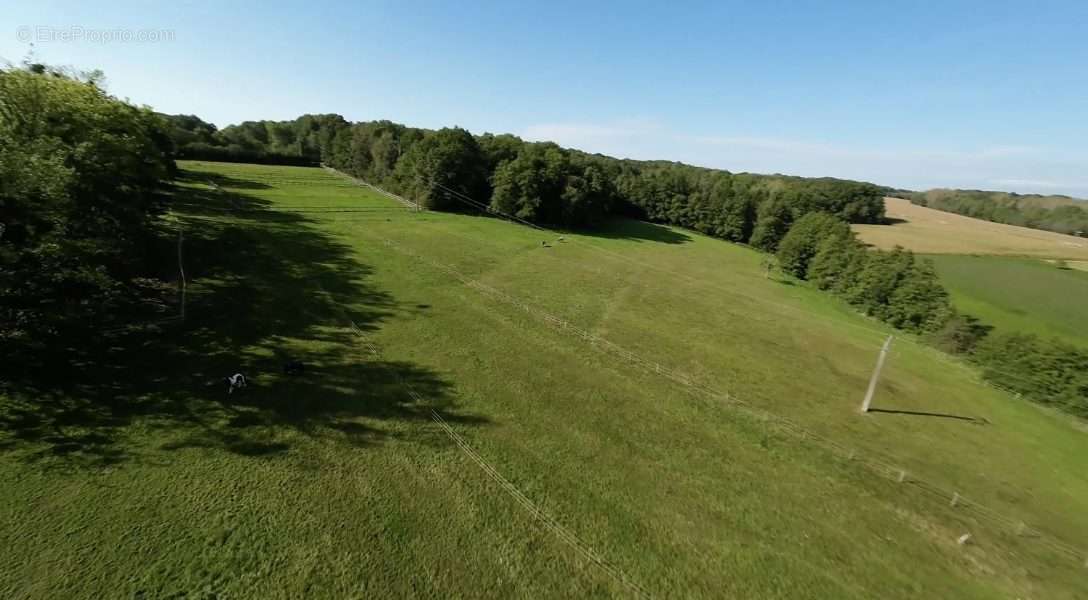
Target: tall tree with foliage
{"points": [[80, 180], [773, 219], [801, 243], [442, 165]]}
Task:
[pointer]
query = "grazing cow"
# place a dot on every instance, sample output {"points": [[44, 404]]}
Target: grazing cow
{"points": [[236, 381], [294, 367]]}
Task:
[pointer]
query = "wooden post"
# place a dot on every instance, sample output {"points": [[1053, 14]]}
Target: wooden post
{"points": [[876, 375], [955, 498]]}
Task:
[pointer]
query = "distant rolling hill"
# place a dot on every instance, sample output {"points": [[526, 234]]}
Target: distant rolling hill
{"points": [[930, 231]]}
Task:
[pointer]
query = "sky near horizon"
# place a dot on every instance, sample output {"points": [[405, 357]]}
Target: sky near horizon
{"points": [[990, 95]]}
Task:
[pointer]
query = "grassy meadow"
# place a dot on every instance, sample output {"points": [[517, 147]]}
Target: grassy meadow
{"points": [[136, 475], [1015, 294], [929, 231]]}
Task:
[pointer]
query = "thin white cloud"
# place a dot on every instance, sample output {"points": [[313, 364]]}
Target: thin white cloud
{"points": [[762, 143], [1013, 167], [1039, 183], [569, 133], [1012, 150]]}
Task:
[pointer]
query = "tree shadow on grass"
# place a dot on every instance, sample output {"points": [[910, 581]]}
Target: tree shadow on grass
{"points": [[221, 180], [264, 287], [622, 228], [892, 221], [936, 415], [642, 231]]}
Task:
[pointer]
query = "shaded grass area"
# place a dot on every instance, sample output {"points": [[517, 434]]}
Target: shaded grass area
{"points": [[265, 288], [1019, 295], [335, 484]]}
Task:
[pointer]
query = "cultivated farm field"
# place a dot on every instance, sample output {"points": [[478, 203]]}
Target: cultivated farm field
{"points": [[1019, 294], [446, 442], [928, 231]]}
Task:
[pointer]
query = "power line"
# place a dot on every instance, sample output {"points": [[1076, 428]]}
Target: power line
{"points": [[879, 465], [932, 352], [616, 255]]}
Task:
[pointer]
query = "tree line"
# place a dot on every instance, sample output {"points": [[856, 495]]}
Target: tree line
{"points": [[83, 181], [803, 222], [537, 181], [1060, 214], [898, 288]]}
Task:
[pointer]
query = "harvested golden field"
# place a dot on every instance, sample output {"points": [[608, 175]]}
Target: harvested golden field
{"points": [[930, 231]]}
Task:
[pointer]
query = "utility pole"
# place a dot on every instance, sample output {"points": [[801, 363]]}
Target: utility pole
{"points": [[876, 375]]}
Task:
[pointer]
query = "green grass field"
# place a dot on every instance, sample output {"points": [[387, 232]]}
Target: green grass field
{"points": [[1024, 295], [131, 476]]}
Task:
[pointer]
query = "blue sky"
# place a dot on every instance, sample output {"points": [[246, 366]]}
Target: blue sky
{"points": [[988, 95]]}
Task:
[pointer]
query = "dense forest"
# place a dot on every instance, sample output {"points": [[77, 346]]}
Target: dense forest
{"points": [[1060, 214], [539, 182], [85, 178]]}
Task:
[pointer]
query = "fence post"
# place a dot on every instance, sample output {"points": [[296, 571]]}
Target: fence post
{"points": [[955, 499]]}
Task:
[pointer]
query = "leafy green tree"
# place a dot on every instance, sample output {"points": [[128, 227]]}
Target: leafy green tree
{"points": [[803, 239], [587, 194], [831, 264], [919, 302], [546, 184], [443, 164], [960, 334], [80, 180], [773, 219], [498, 149]]}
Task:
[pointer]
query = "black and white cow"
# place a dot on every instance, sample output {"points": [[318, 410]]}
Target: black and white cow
{"points": [[235, 382]]}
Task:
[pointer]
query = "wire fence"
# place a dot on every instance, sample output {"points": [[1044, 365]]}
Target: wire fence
{"points": [[549, 522], [875, 462], [375, 188], [932, 352]]}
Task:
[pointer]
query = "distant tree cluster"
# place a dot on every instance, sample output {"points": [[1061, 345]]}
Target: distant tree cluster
{"points": [[297, 142], [539, 182], [1060, 214], [450, 169], [1047, 371], [81, 182], [894, 286]]}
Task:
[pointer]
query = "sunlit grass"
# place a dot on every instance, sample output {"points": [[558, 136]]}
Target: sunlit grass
{"points": [[338, 484]]}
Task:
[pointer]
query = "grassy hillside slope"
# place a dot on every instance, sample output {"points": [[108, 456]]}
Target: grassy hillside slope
{"points": [[1014, 294], [932, 231], [144, 479]]}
